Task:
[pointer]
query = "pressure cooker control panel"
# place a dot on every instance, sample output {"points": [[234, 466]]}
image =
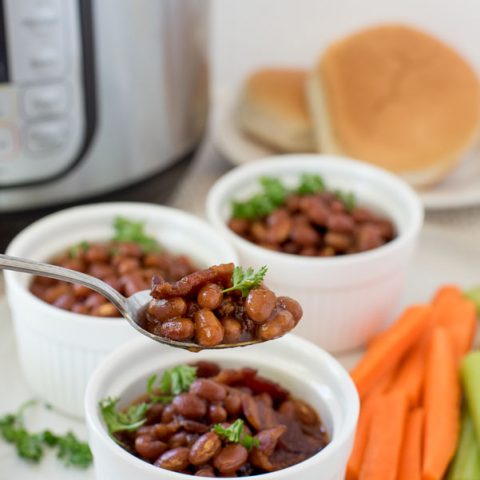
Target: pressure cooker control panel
{"points": [[42, 118]]}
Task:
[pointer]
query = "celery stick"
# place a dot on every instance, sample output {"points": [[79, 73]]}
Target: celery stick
{"points": [[466, 463], [470, 373], [474, 295]]}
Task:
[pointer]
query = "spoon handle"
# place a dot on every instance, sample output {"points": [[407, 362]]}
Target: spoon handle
{"points": [[8, 262]]}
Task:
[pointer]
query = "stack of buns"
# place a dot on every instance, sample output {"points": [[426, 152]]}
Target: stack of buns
{"points": [[389, 95]]}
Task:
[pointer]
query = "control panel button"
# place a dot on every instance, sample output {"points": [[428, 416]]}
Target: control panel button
{"points": [[47, 136], [42, 24], [7, 103], [7, 143], [45, 101], [42, 14], [45, 63], [45, 58]]}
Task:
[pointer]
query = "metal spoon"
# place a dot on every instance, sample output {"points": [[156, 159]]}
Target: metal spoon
{"points": [[131, 308]]}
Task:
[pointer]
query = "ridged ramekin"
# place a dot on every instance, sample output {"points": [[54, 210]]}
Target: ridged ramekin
{"points": [[59, 349], [346, 300], [304, 369]]}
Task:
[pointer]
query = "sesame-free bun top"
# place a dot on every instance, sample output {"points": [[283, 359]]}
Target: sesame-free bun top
{"points": [[273, 109], [398, 98]]}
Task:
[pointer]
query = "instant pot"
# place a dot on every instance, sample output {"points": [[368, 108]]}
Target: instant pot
{"points": [[96, 96]]}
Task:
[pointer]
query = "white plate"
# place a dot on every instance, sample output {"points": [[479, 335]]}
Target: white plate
{"points": [[460, 189], [441, 258]]}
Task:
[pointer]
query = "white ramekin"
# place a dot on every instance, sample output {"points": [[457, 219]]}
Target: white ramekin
{"points": [[346, 300], [59, 349], [303, 368]]}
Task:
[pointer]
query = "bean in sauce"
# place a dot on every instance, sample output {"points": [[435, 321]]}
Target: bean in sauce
{"points": [[282, 430], [127, 268], [309, 221], [205, 308]]}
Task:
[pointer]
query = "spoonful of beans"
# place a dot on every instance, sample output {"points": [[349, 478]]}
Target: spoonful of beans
{"points": [[222, 306]]}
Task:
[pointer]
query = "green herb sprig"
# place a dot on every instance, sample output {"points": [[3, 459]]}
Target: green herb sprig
{"points": [[130, 231], [69, 449], [245, 280], [272, 196], [31, 446], [173, 382], [122, 421], [310, 183], [274, 192], [235, 433], [76, 250], [178, 379], [274, 189], [347, 198], [153, 392]]}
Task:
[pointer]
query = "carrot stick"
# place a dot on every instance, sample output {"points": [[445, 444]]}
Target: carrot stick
{"points": [[458, 314], [447, 291], [460, 319], [366, 410], [442, 309], [385, 437], [441, 399], [409, 375], [384, 355], [382, 385], [411, 456], [355, 461]]}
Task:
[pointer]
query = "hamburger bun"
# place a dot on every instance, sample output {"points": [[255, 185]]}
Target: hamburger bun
{"points": [[273, 109], [398, 98]]}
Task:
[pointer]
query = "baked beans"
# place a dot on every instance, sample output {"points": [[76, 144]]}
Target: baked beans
{"points": [[206, 309], [276, 430], [306, 222], [123, 265]]}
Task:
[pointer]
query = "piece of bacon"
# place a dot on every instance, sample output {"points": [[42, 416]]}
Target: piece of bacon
{"points": [[190, 284]]}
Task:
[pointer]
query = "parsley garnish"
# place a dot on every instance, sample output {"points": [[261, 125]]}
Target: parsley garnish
{"points": [[273, 189], [73, 452], [310, 183], [31, 446], [235, 433], [129, 231], [173, 382], [347, 198], [153, 392], [122, 421], [274, 193], [260, 205], [257, 206], [245, 280], [81, 247], [178, 379]]}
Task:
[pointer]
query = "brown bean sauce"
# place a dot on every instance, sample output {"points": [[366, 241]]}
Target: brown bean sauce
{"points": [[196, 309], [286, 430], [123, 265], [316, 225]]}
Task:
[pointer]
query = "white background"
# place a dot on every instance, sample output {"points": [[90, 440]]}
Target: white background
{"points": [[247, 34], [250, 34]]}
